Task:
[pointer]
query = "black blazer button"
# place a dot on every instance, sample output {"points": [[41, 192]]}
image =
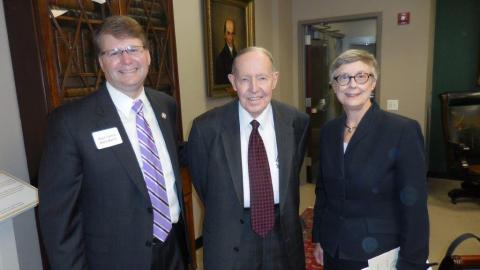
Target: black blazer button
{"points": [[150, 210], [241, 221], [148, 243], [236, 249]]}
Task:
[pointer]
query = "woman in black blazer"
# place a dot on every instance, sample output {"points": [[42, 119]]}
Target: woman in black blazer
{"points": [[371, 194]]}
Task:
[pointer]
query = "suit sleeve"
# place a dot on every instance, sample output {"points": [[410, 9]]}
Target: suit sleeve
{"points": [[197, 160], [181, 145], [60, 179], [319, 199], [305, 122], [412, 187]]}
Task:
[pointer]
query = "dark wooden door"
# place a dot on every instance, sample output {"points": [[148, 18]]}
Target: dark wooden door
{"points": [[321, 102]]}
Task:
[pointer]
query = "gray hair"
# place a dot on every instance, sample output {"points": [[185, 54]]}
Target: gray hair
{"points": [[253, 49], [350, 56]]}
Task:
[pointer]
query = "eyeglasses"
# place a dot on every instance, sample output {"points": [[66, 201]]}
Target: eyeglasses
{"points": [[360, 78], [117, 52]]}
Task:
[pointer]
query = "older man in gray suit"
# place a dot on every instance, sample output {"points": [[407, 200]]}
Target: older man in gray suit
{"points": [[245, 159]]}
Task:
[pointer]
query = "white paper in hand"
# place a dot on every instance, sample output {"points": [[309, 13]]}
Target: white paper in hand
{"points": [[385, 261]]}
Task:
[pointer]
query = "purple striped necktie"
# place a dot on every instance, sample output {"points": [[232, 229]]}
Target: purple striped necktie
{"points": [[153, 175]]}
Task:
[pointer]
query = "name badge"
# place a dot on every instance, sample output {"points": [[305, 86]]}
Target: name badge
{"points": [[107, 138]]}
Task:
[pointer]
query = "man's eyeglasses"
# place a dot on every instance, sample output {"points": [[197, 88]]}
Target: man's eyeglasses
{"points": [[117, 52], [360, 78]]}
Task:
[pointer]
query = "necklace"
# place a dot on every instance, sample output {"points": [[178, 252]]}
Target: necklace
{"points": [[350, 129]]}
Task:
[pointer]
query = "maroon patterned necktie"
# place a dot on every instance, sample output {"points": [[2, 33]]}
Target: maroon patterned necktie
{"points": [[261, 191]]}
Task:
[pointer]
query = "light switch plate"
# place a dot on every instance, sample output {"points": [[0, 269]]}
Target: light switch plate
{"points": [[392, 104]]}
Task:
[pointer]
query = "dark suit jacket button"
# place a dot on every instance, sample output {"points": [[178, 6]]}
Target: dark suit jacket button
{"points": [[148, 243], [241, 221], [150, 210], [236, 249]]}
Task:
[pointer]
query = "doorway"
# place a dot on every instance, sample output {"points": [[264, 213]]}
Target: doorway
{"points": [[321, 41]]}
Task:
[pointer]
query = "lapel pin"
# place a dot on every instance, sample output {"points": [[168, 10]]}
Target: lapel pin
{"points": [[164, 115]]}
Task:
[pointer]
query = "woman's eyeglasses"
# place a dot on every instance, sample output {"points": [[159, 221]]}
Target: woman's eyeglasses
{"points": [[360, 78]]}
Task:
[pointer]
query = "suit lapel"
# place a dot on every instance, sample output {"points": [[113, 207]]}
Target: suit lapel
{"points": [[365, 126], [108, 117], [230, 136], [337, 142], [285, 137]]}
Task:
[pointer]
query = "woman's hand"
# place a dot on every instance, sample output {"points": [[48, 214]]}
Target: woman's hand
{"points": [[318, 253]]}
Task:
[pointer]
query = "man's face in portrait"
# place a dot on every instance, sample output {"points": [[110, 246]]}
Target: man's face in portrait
{"points": [[229, 32]]}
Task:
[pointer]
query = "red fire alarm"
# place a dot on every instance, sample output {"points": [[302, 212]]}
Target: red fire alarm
{"points": [[403, 18]]}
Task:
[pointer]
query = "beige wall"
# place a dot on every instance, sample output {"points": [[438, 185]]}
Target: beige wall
{"points": [[191, 61], [272, 24], [406, 51]]}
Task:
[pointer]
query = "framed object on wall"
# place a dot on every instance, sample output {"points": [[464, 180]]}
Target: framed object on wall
{"points": [[229, 27]]}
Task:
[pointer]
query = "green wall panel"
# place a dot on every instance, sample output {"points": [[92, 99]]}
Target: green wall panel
{"points": [[455, 65]]}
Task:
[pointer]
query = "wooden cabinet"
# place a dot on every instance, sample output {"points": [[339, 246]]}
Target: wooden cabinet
{"points": [[67, 28], [54, 61]]}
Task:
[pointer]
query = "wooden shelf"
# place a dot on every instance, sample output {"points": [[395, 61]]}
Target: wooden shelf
{"points": [[75, 19], [81, 74], [78, 92]]}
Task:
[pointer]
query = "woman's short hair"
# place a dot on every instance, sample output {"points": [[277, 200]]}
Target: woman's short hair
{"points": [[120, 27], [353, 55]]}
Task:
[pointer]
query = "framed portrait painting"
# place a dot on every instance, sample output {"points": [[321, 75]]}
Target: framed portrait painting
{"points": [[229, 27]]}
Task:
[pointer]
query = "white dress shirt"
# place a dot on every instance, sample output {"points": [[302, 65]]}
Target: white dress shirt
{"points": [[124, 104], [267, 132]]}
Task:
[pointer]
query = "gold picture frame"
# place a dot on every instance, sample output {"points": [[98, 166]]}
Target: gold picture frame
{"points": [[220, 16]]}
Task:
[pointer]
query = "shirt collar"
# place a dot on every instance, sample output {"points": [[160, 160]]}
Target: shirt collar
{"points": [[265, 118], [122, 102]]}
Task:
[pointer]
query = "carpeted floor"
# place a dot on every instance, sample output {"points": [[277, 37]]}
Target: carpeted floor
{"points": [[307, 218]]}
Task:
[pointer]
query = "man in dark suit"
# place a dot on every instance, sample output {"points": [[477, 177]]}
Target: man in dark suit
{"points": [[109, 181], [245, 159], [224, 61]]}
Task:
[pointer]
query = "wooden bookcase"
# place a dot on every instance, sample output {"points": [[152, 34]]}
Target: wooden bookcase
{"points": [[67, 28], [54, 61]]}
